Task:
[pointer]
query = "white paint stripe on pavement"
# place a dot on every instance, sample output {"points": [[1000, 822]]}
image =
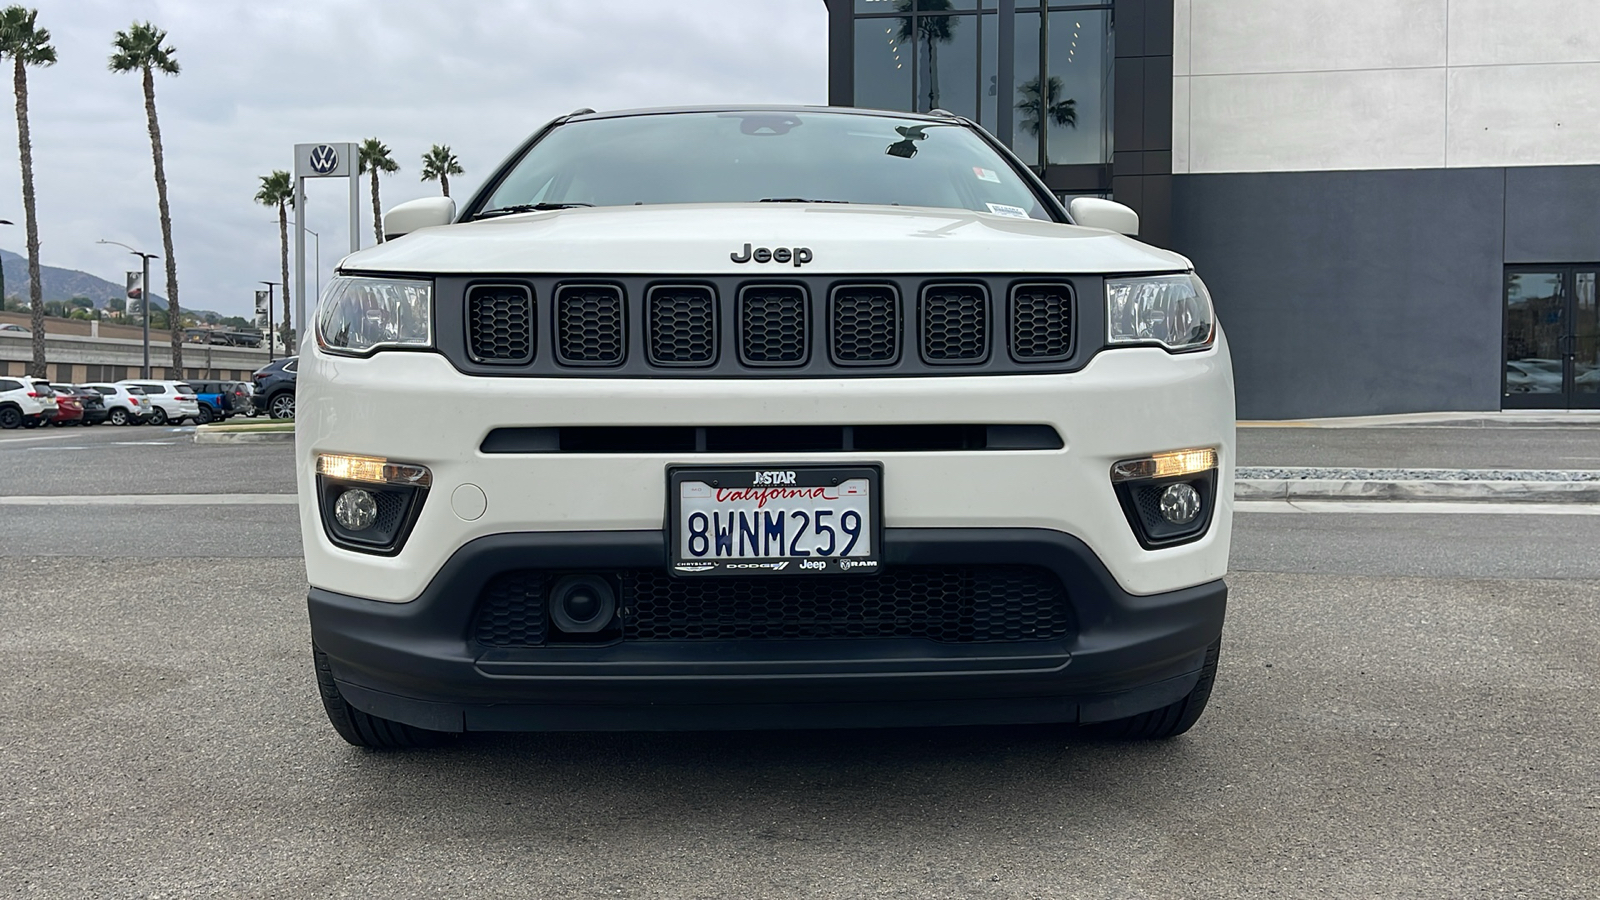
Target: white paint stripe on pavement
{"points": [[154, 500], [1419, 507]]}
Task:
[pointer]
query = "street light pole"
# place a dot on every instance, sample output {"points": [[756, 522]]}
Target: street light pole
{"points": [[3, 274], [270, 333], [316, 244], [144, 298]]}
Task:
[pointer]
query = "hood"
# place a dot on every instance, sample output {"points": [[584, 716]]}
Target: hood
{"points": [[704, 239]]}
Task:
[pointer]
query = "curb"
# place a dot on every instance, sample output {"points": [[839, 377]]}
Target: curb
{"points": [[202, 436], [1379, 490]]}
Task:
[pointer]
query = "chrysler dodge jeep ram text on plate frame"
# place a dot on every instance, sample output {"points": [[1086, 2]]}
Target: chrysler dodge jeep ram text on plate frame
{"points": [[763, 418]]}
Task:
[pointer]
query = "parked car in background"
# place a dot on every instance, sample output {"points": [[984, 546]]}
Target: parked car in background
{"points": [[69, 407], [25, 402], [124, 405], [15, 329], [227, 399], [274, 386], [170, 401], [94, 407]]}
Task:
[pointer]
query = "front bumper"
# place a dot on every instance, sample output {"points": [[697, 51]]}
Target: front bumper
{"points": [[417, 662]]}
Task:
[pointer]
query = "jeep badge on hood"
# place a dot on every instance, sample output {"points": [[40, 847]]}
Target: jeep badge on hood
{"points": [[799, 255]]}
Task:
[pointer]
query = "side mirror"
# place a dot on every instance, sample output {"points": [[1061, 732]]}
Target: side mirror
{"points": [[413, 214], [1092, 212]]}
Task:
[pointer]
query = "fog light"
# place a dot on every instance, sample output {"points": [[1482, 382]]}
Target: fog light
{"points": [[582, 604], [1180, 503], [357, 510]]}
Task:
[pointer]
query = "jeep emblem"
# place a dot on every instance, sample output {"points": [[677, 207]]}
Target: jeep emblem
{"points": [[798, 255]]}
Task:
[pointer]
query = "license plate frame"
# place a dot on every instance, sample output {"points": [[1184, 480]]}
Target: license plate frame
{"points": [[747, 477]]}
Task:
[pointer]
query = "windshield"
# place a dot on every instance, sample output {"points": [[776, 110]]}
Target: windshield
{"points": [[717, 157]]}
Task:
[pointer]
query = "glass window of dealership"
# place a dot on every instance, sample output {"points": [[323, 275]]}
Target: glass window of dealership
{"points": [[1062, 84]]}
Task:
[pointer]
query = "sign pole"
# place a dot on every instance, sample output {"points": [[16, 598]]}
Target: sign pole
{"points": [[319, 161]]}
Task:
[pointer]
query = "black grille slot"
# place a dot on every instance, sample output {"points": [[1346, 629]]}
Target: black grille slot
{"points": [[955, 323], [1041, 322], [675, 439], [500, 324], [865, 324], [949, 604], [589, 324], [683, 325], [772, 325], [511, 611]]}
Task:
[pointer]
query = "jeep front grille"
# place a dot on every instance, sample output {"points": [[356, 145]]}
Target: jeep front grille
{"points": [[864, 321], [955, 323], [788, 325], [500, 324], [1041, 322], [972, 604], [590, 325], [772, 325], [683, 325]]}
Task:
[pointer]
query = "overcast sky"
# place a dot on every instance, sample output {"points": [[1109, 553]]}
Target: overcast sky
{"points": [[259, 77]]}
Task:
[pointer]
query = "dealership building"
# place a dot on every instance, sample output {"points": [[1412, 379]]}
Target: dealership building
{"points": [[1395, 203]]}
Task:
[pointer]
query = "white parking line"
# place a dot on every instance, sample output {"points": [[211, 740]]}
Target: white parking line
{"points": [[153, 500], [1420, 507]]}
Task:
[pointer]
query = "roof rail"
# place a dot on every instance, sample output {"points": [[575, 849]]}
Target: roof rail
{"points": [[944, 113], [581, 111]]}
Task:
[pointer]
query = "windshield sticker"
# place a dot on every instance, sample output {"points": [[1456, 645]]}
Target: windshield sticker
{"points": [[988, 175], [1015, 212]]}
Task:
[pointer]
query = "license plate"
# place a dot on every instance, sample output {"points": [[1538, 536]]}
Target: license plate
{"points": [[788, 520]]}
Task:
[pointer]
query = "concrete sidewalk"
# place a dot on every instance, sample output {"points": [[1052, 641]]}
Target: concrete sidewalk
{"points": [[1540, 457]]}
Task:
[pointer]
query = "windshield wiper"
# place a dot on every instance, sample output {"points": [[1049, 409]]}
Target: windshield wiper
{"points": [[798, 200], [525, 208]]}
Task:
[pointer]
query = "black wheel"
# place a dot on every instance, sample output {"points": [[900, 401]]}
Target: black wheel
{"points": [[159, 417], [10, 418], [1168, 721], [363, 730], [281, 406], [205, 417], [117, 416]]}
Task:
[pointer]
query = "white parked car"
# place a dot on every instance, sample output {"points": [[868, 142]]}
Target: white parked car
{"points": [[26, 401], [776, 417], [169, 401], [125, 404]]}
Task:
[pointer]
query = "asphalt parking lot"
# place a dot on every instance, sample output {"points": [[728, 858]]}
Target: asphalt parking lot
{"points": [[1405, 708]]}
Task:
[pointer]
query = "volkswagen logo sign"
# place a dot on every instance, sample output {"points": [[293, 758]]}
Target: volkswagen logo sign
{"points": [[324, 159]]}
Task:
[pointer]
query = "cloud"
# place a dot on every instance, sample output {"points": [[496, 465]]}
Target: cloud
{"points": [[258, 78]]}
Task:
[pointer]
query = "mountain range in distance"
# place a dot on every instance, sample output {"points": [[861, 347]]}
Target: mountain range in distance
{"points": [[64, 284]]}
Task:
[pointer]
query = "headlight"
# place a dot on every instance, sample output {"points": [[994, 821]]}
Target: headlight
{"points": [[1171, 311], [357, 316]]}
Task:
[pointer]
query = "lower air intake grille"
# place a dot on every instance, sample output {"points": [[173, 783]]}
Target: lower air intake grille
{"points": [[500, 324], [589, 325], [511, 611], [683, 326], [1041, 322], [772, 325], [950, 604], [865, 325], [955, 323]]}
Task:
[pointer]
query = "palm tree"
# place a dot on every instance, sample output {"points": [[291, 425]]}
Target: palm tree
{"points": [[439, 163], [1058, 112], [934, 30], [139, 49], [277, 190], [28, 45], [375, 158]]}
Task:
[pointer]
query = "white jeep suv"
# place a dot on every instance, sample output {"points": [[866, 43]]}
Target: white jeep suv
{"points": [[763, 417]]}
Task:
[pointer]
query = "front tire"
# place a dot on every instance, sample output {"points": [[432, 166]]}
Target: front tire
{"points": [[118, 416], [10, 418], [205, 417], [159, 417], [281, 407], [361, 729], [1171, 720]]}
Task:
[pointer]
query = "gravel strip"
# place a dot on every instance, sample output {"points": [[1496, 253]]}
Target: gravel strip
{"points": [[1310, 473]]}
